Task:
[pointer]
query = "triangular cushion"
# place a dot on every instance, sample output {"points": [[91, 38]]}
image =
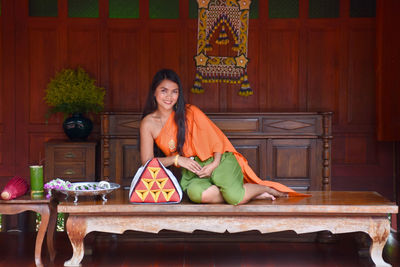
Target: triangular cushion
{"points": [[153, 183]]}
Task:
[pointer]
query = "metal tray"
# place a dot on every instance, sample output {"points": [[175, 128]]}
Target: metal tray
{"points": [[89, 189]]}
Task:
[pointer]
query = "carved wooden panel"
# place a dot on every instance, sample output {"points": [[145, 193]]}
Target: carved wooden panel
{"points": [[296, 125], [297, 154], [254, 150], [125, 161], [293, 162]]}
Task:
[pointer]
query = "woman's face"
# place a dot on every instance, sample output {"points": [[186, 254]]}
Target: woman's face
{"points": [[166, 94]]}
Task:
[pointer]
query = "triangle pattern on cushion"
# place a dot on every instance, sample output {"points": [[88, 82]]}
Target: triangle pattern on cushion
{"points": [[153, 183]]}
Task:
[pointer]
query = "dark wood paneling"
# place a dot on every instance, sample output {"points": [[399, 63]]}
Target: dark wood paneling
{"points": [[84, 47], [361, 78], [298, 64], [124, 68], [43, 60], [388, 69], [7, 93], [165, 51], [283, 69], [323, 68]]}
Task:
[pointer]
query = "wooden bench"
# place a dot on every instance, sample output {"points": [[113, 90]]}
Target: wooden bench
{"points": [[337, 212]]}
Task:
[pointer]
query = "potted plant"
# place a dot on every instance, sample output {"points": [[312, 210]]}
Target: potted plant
{"points": [[74, 93]]}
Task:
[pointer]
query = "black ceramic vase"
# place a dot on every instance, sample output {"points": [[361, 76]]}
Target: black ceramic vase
{"points": [[77, 127]]}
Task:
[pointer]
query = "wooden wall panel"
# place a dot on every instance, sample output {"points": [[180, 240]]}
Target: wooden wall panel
{"points": [[43, 61], [165, 50], [283, 69], [387, 70], [2, 97], [84, 48], [374, 176], [361, 77], [298, 64], [7, 92], [323, 69], [124, 68], [36, 152], [354, 149]]}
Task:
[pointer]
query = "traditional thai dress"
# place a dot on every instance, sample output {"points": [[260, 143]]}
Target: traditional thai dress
{"points": [[203, 139]]}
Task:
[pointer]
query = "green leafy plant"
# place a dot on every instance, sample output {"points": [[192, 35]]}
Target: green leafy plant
{"points": [[73, 91]]}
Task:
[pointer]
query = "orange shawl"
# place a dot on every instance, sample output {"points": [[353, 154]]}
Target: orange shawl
{"points": [[203, 139]]}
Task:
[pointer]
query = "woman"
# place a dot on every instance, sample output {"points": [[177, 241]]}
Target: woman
{"points": [[212, 170]]}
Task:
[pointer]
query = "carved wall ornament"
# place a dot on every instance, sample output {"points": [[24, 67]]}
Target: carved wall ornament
{"points": [[222, 27]]}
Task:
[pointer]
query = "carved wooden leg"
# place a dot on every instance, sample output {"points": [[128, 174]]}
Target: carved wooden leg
{"points": [[51, 230], [44, 211], [379, 233], [76, 229]]}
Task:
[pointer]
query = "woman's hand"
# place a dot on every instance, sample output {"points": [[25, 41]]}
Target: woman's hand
{"points": [[207, 170], [189, 164]]}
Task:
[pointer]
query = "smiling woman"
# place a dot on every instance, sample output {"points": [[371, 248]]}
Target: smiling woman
{"points": [[212, 170]]}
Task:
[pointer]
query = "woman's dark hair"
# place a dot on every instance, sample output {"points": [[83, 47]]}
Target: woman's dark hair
{"points": [[179, 107]]}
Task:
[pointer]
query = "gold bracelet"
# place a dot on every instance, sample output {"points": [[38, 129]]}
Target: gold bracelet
{"points": [[176, 160]]}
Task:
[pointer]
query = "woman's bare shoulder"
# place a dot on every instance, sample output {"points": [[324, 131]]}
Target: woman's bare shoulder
{"points": [[147, 121]]}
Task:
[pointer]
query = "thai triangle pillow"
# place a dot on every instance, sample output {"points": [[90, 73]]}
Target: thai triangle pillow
{"points": [[153, 183]]}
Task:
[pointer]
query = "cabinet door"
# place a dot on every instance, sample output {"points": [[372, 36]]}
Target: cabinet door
{"points": [[124, 160], [293, 162], [254, 150]]}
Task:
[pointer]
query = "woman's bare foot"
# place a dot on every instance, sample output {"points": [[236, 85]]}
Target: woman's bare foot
{"points": [[265, 195], [275, 192]]}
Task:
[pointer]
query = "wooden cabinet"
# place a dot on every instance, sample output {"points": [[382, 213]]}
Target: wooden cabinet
{"points": [[72, 161], [290, 148]]}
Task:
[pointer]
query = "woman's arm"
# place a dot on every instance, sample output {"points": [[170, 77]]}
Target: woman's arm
{"points": [[146, 141]]}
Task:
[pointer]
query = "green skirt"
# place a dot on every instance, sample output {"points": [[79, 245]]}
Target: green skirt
{"points": [[228, 177]]}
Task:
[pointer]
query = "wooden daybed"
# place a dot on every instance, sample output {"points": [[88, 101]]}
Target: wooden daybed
{"points": [[292, 148], [337, 212]]}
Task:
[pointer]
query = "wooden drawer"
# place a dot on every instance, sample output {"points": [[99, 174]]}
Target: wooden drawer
{"points": [[68, 154], [72, 170], [72, 161]]}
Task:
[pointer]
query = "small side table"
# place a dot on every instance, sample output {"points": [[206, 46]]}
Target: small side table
{"points": [[47, 208], [71, 161]]}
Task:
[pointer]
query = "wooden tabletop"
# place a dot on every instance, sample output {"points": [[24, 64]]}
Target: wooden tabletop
{"points": [[320, 202], [26, 199]]}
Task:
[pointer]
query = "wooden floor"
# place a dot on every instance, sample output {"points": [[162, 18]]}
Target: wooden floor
{"points": [[17, 249]]}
